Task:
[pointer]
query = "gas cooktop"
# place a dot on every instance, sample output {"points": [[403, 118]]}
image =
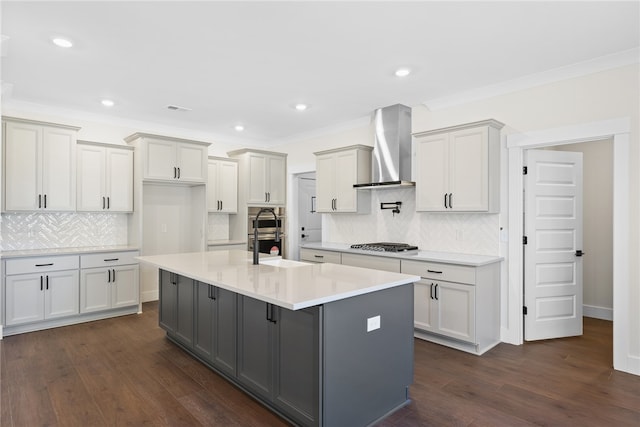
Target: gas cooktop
{"points": [[385, 247]]}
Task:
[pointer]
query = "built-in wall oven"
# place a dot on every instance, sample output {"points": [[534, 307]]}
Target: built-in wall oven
{"points": [[267, 230]]}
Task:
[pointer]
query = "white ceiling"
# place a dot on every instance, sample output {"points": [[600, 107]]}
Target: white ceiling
{"points": [[250, 62]]}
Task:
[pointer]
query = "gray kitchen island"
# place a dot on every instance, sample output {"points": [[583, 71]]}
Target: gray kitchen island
{"points": [[319, 344]]}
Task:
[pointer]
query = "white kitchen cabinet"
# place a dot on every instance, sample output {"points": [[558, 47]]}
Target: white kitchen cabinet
{"points": [[37, 291], [262, 176], [39, 166], [171, 159], [109, 280], [371, 261], [457, 169], [319, 256], [222, 187], [336, 173], [105, 178]]}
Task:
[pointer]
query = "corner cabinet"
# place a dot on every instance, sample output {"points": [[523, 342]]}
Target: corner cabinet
{"points": [[171, 159], [457, 169], [336, 173], [262, 176], [222, 189], [105, 178], [39, 162]]}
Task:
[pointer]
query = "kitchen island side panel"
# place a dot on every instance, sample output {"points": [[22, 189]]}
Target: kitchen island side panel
{"points": [[367, 374]]}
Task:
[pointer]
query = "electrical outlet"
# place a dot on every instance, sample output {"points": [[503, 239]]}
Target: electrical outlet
{"points": [[373, 323]]}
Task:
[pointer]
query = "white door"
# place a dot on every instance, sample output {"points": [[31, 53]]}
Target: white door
{"points": [[191, 162], [90, 185], [160, 160], [325, 182], [228, 187], [468, 170], [346, 173], [95, 291], [119, 180], [59, 169], [257, 178], [124, 286], [62, 294], [309, 220], [22, 171], [431, 172], [552, 254]]}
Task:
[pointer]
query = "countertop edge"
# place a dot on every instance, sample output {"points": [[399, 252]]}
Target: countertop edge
{"points": [[27, 253]]}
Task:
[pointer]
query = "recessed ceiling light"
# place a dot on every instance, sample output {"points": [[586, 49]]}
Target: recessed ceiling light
{"points": [[59, 41], [301, 107], [107, 103], [238, 128], [403, 72]]}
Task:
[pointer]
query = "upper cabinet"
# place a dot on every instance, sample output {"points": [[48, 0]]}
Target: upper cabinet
{"points": [[171, 159], [264, 175], [457, 169], [105, 178], [336, 173], [39, 166], [222, 188]]}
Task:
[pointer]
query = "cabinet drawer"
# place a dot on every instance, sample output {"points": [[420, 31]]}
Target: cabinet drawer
{"points": [[314, 255], [108, 259], [372, 261], [437, 271], [41, 264]]}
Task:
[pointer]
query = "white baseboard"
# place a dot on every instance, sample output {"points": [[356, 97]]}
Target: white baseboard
{"points": [[149, 296], [596, 312]]}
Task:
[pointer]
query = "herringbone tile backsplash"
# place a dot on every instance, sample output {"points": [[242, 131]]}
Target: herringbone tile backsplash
{"points": [[472, 233], [20, 231]]}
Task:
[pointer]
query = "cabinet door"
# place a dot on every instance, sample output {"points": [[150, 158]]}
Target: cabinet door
{"points": [[225, 331], [168, 301], [254, 346], [346, 172], [456, 310], [119, 180], [469, 169], [22, 174], [422, 305], [59, 169], [24, 298], [95, 292], [325, 183], [213, 200], [184, 316], [62, 294], [204, 307], [124, 286], [228, 187], [192, 162], [297, 385], [277, 170], [257, 178], [159, 160], [431, 172], [91, 178]]}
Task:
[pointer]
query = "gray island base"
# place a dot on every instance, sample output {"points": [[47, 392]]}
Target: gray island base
{"points": [[343, 362]]}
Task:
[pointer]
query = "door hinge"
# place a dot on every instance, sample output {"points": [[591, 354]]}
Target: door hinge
{"points": [[525, 170], [524, 240], [524, 309]]}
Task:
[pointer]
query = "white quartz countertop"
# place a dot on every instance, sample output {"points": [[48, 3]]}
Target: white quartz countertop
{"points": [[223, 242], [443, 257], [66, 251], [292, 284]]}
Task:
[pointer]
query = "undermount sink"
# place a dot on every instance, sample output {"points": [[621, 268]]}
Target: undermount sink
{"points": [[283, 263]]}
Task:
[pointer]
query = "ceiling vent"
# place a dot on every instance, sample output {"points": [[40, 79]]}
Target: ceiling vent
{"points": [[177, 108]]}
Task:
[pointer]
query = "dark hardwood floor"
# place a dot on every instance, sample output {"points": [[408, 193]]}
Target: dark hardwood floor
{"points": [[124, 372]]}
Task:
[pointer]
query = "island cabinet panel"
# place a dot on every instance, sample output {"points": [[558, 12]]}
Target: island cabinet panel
{"points": [[176, 306]]}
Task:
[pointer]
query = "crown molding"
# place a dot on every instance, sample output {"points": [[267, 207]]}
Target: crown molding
{"points": [[616, 60]]}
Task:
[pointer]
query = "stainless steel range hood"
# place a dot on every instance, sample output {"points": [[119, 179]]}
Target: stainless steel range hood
{"points": [[391, 161]]}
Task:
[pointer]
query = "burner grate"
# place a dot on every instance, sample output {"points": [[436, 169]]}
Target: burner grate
{"points": [[385, 247]]}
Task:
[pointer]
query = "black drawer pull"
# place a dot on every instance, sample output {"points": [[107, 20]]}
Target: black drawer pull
{"points": [[319, 256], [111, 259], [44, 265], [434, 271]]}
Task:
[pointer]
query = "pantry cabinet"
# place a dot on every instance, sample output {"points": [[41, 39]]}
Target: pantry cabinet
{"points": [[222, 187], [336, 173], [262, 175], [171, 159], [39, 166], [105, 178], [457, 169]]}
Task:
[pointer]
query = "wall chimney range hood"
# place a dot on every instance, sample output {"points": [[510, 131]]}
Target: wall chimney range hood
{"points": [[391, 160]]}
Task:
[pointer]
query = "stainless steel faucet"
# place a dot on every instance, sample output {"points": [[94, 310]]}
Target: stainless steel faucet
{"points": [[255, 232]]}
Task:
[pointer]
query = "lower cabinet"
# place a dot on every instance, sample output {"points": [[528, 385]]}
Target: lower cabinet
{"points": [[41, 296], [278, 351], [176, 306], [106, 288]]}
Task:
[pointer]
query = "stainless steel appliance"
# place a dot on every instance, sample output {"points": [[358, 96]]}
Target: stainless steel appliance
{"points": [[385, 247], [267, 226]]}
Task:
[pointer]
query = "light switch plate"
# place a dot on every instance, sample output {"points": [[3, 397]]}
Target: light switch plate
{"points": [[373, 323]]}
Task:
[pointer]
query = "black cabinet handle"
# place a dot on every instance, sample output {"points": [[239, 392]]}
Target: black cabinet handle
{"points": [[111, 259], [47, 281], [450, 200], [41, 288], [108, 203], [431, 291], [103, 202], [445, 201], [39, 201], [44, 265], [108, 276], [214, 293], [114, 274], [434, 271], [178, 173], [45, 201], [436, 292]]}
